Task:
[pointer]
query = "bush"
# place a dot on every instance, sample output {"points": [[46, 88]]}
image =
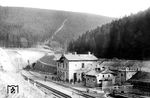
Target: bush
{"points": [[33, 65], [27, 67]]}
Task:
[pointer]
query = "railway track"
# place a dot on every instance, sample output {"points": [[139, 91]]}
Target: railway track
{"points": [[57, 93]]}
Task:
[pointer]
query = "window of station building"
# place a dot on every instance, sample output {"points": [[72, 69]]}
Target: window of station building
{"points": [[58, 65], [63, 65], [59, 73], [66, 65], [121, 74], [100, 81], [103, 75], [63, 74], [93, 80], [108, 75], [82, 65]]}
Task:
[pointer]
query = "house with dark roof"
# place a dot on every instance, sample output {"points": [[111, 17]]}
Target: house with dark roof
{"points": [[100, 78], [69, 64]]}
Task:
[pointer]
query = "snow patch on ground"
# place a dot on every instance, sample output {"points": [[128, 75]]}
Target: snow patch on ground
{"points": [[5, 61], [30, 56], [26, 90], [11, 61], [16, 59]]}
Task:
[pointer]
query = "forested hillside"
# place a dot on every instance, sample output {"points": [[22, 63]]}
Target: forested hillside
{"points": [[24, 27], [126, 38]]}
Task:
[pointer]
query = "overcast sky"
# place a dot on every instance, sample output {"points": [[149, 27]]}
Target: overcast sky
{"points": [[112, 8]]}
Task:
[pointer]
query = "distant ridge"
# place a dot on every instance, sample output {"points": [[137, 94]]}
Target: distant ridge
{"points": [[41, 24]]}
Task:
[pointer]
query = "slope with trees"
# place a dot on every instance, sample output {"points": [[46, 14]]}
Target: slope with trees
{"points": [[24, 27], [126, 38]]}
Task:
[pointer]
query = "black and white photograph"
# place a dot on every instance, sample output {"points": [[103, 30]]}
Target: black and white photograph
{"points": [[74, 48]]}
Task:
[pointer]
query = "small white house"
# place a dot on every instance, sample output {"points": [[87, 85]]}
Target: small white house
{"points": [[68, 64]]}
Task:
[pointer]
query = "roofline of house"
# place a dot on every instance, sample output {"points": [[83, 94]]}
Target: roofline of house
{"points": [[79, 60], [138, 81], [52, 65], [91, 75]]}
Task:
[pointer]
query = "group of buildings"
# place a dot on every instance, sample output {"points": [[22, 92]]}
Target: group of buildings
{"points": [[95, 72]]}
